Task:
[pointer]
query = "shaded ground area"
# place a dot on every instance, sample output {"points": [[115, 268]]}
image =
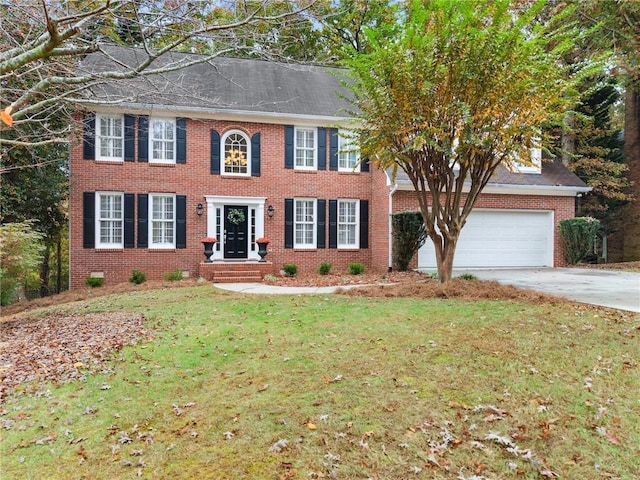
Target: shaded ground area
{"points": [[62, 347]]}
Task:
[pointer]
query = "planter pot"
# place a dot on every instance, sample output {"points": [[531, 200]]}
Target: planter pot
{"points": [[262, 250], [208, 251]]}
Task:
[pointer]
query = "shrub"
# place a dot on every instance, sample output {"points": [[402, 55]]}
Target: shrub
{"points": [[325, 268], [173, 275], [270, 278], [356, 268], [94, 282], [468, 276], [290, 269], [433, 275], [20, 252], [137, 277], [409, 235], [577, 236]]}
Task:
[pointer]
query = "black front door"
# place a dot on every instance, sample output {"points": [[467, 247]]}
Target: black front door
{"points": [[236, 221]]}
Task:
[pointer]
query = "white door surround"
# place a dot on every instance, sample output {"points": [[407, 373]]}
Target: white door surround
{"points": [[215, 222]]}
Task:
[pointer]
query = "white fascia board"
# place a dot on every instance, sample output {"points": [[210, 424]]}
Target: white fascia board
{"points": [[505, 189], [225, 114]]}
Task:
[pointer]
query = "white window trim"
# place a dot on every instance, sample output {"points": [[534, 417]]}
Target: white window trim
{"points": [[314, 244], [315, 148], [356, 167], [356, 243], [222, 149], [160, 246], [98, 219], [98, 138], [170, 161]]}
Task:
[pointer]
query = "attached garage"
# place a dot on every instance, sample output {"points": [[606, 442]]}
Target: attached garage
{"points": [[500, 238]]}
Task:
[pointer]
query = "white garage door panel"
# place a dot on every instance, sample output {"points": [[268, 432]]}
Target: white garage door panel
{"points": [[499, 238]]}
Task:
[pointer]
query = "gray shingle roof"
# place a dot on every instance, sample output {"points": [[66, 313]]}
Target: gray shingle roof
{"points": [[554, 174], [258, 87], [227, 84]]}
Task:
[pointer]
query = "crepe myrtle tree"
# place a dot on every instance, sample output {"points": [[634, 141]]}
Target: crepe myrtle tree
{"points": [[451, 91], [43, 42]]}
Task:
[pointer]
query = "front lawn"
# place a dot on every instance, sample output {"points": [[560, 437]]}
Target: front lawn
{"points": [[226, 386]]}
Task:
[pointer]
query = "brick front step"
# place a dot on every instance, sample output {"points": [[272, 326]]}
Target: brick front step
{"points": [[235, 272]]}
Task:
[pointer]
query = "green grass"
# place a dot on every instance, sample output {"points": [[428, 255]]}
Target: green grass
{"points": [[368, 388]]}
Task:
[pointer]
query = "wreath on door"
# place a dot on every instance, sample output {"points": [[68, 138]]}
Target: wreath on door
{"points": [[236, 217]]}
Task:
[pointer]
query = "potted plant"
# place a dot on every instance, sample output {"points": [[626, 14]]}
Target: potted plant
{"points": [[262, 247], [208, 243]]}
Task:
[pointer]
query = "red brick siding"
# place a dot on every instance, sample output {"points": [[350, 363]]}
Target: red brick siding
{"points": [[194, 180]]}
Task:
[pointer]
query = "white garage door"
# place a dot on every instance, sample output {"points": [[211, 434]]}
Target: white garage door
{"points": [[500, 238]]}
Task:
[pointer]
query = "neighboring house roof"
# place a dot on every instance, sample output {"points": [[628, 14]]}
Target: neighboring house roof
{"points": [[222, 85], [553, 179]]}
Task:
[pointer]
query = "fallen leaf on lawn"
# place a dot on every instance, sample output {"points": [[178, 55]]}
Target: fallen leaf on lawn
{"points": [[311, 426], [263, 388], [612, 438]]}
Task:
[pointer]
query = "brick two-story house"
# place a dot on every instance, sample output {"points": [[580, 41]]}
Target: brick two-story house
{"points": [[239, 149]]}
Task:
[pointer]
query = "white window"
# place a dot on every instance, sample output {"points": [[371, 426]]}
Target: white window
{"points": [[348, 153], [109, 137], [348, 220], [305, 148], [235, 153], [162, 140], [162, 214], [109, 220], [304, 223], [536, 163]]}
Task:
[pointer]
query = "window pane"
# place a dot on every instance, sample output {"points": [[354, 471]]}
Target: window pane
{"points": [[236, 152]]}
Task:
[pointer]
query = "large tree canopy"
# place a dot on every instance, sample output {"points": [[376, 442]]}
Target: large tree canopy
{"points": [[450, 92], [42, 42]]}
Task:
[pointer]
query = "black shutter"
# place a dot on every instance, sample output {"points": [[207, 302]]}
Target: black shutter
{"points": [[288, 146], [333, 223], [89, 220], [333, 149], [129, 214], [322, 148], [129, 138], [89, 136], [181, 140], [143, 139], [143, 220], [288, 223], [364, 223], [181, 221], [364, 164], [322, 223], [255, 155], [215, 152]]}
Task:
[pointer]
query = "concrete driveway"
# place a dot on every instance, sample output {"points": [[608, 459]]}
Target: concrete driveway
{"points": [[607, 288]]}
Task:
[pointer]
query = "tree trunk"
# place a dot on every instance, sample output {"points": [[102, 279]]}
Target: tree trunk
{"points": [[631, 212], [568, 140], [44, 274], [444, 259], [59, 266]]}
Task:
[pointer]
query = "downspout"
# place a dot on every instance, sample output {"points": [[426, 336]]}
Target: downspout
{"points": [[393, 190]]}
